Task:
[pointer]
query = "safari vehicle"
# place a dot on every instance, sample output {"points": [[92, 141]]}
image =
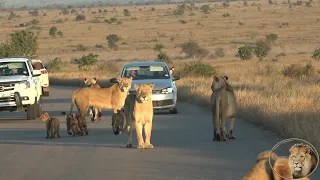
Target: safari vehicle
{"points": [[44, 77], [20, 88], [164, 94]]}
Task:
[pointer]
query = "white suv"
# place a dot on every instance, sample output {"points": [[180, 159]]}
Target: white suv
{"points": [[44, 77], [20, 88]]}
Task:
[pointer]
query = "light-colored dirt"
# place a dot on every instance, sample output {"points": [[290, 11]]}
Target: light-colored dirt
{"points": [[183, 148]]}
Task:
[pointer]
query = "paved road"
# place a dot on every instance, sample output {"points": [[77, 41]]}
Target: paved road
{"points": [[183, 148]]}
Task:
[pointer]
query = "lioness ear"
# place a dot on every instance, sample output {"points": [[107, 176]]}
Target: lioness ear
{"points": [[215, 78], [291, 150], [130, 77], [136, 86], [151, 85], [95, 78], [308, 151], [85, 79], [226, 77], [119, 79]]}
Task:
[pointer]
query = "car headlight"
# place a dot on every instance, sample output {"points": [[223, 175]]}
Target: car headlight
{"points": [[166, 90], [24, 85]]}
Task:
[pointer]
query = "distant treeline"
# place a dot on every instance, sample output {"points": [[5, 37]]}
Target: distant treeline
{"points": [[106, 4]]}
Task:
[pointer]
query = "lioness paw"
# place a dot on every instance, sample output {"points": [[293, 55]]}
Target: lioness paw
{"points": [[149, 146], [140, 146]]}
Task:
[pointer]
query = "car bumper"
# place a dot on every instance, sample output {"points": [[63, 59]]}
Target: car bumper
{"points": [[16, 99], [164, 101]]}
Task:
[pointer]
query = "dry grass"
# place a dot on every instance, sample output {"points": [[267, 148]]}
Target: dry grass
{"points": [[288, 106]]}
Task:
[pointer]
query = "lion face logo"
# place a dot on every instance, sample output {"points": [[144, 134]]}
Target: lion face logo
{"points": [[144, 92], [124, 83]]}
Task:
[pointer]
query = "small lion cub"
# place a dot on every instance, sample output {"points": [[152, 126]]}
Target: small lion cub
{"points": [[72, 124], [51, 124]]}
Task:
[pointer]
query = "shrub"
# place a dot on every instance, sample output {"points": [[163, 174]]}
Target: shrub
{"points": [[245, 52], [226, 15], [262, 49], [60, 21], [34, 13], [182, 21], [271, 38], [65, 11], [316, 54], [95, 20], [12, 15], [219, 52], [112, 40], [153, 9], [225, 4], [158, 47], [80, 18], [119, 22], [163, 57], [205, 9], [44, 14], [126, 12], [86, 62], [22, 43], [298, 71], [114, 19], [54, 65], [198, 68], [192, 49], [53, 31], [100, 46], [60, 33], [108, 21], [81, 47], [180, 10], [34, 22], [245, 3]]}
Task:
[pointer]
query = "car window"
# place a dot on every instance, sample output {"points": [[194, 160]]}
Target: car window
{"points": [[146, 72], [13, 69], [37, 65]]}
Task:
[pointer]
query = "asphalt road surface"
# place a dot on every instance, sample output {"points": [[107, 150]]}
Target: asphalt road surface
{"points": [[183, 147]]}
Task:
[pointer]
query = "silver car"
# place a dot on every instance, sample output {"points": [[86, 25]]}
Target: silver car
{"points": [[164, 94]]}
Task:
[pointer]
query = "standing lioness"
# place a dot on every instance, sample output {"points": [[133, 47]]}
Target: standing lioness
{"points": [[224, 105], [105, 98], [139, 108]]}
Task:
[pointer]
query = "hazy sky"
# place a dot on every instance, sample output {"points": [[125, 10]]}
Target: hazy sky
{"points": [[36, 3]]}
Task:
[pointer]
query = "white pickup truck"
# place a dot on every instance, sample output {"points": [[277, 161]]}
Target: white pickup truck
{"points": [[20, 88]]}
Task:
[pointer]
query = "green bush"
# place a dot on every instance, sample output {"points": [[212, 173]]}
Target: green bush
{"points": [[119, 22], [34, 22], [53, 31], [245, 52], [182, 21], [163, 57], [60, 33], [262, 49], [81, 47], [298, 71], [219, 52], [12, 15], [114, 19], [54, 65], [86, 62], [65, 11], [80, 17], [126, 12], [316, 54], [205, 8], [197, 68], [108, 21], [180, 10], [112, 41], [271, 38], [34, 13], [193, 49]]}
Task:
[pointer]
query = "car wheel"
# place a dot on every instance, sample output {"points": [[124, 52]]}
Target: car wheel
{"points": [[174, 111], [39, 107], [31, 111]]}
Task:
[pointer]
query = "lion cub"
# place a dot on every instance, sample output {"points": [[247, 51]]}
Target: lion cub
{"points": [[72, 124], [139, 108], [51, 124]]}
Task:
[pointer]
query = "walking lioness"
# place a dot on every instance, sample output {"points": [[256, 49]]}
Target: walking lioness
{"points": [[139, 109], [105, 98], [224, 105], [93, 111]]}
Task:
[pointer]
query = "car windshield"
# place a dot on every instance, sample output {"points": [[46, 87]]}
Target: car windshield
{"points": [[13, 69], [146, 72]]}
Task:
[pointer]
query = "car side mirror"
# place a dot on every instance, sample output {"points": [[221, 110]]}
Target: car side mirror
{"points": [[36, 73], [175, 78], [113, 80]]}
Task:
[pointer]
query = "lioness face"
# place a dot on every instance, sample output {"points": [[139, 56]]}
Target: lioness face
{"points": [[44, 117], [144, 92], [124, 83], [218, 82], [300, 161], [89, 82]]}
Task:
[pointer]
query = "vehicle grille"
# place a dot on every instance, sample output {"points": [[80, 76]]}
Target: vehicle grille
{"points": [[6, 87], [6, 99], [162, 103]]}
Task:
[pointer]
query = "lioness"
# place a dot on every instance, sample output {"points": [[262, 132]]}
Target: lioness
{"points": [[105, 98], [73, 124], [302, 160], [262, 169], [224, 105], [52, 125], [94, 112], [139, 108]]}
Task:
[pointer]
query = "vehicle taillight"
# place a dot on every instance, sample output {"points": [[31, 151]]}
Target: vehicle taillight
{"points": [[44, 72]]}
